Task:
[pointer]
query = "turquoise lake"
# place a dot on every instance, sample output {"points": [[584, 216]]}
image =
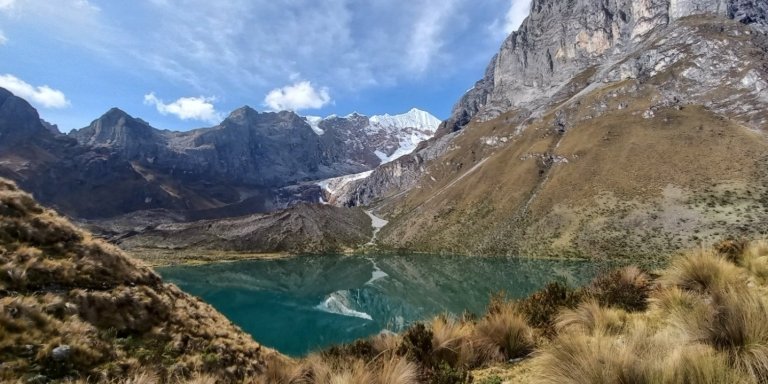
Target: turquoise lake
{"points": [[305, 303]]}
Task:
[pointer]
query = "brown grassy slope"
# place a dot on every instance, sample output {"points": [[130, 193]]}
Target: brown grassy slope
{"points": [[630, 186], [623, 165], [72, 306]]}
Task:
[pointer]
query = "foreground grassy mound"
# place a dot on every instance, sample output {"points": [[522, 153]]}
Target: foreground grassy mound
{"points": [[702, 320], [76, 308]]}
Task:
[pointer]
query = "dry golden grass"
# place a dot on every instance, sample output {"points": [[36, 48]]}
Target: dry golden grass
{"points": [[701, 271], [592, 319], [503, 334], [398, 370], [59, 287]]}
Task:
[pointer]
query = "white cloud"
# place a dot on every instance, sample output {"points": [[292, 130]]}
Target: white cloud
{"points": [[6, 4], [296, 97], [42, 96], [518, 11], [186, 108], [426, 40], [3, 39]]}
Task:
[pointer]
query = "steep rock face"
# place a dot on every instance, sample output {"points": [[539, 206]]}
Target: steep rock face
{"points": [[124, 135], [644, 136], [18, 120], [561, 40], [76, 308]]}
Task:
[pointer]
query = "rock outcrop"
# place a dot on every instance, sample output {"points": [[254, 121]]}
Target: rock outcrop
{"points": [[561, 41]]}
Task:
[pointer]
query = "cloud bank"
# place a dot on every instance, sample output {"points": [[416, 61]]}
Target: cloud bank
{"points": [[298, 96], [41, 96], [186, 108], [518, 11]]}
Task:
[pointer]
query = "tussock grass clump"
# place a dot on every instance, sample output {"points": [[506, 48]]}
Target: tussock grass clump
{"points": [[504, 334], [592, 319], [702, 271], [736, 326], [699, 364]]}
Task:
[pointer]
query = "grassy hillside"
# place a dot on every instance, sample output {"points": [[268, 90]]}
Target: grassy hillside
{"points": [[620, 184], [701, 320], [72, 307], [624, 165]]}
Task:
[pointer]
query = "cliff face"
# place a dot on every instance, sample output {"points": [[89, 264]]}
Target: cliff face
{"points": [[603, 129], [560, 40], [73, 307]]}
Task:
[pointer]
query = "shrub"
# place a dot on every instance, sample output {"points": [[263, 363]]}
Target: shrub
{"points": [[444, 373], [359, 349], [541, 308], [626, 288], [731, 249], [416, 345]]}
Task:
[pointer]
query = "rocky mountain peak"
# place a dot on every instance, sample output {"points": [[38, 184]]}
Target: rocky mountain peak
{"points": [[562, 44], [115, 128], [18, 119]]}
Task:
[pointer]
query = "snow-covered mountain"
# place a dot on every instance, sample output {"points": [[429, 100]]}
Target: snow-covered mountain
{"points": [[388, 137]]}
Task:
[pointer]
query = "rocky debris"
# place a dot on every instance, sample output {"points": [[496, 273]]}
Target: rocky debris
{"points": [[61, 353], [304, 228]]}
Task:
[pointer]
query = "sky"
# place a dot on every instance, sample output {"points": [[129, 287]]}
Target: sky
{"points": [[184, 64]]}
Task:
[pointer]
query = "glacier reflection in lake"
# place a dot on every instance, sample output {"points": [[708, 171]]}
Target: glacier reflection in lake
{"points": [[305, 303]]}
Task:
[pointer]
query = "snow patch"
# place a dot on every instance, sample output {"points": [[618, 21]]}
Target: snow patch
{"points": [[377, 223], [314, 123], [339, 303]]}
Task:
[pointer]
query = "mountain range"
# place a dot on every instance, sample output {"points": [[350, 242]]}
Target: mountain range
{"points": [[613, 128], [251, 162]]}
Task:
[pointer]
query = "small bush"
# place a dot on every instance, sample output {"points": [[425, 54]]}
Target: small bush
{"points": [[444, 373], [541, 308], [731, 249], [416, 345], [627, 288]]}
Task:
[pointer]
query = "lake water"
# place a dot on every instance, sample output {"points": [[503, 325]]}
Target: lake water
{"points": [[301, 304]]}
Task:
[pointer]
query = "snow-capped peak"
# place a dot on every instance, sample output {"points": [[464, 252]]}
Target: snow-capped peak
{"points": [[314, 123], [415, 118]]}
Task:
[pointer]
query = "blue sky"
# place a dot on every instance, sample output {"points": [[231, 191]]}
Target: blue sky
{"points": [[182, 64]]}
